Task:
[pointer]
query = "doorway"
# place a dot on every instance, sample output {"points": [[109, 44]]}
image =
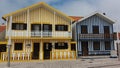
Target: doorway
{"points": [[47, 49], [84, 45], [36, 49]]}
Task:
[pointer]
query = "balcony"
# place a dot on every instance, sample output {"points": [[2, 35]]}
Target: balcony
{"points": [[96, 36], [25, 34], [50, 34]]}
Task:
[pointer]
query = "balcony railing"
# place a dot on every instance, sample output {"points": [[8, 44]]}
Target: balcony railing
{"points": [[50, 34], [96, 36], [39, 34]]}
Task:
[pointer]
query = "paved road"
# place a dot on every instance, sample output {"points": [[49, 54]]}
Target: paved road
{"points": [[80, 63]]}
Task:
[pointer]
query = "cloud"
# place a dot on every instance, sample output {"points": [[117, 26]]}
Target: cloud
{"points": [[84, 7], [69, 7], [7, 6], [76, 8]]}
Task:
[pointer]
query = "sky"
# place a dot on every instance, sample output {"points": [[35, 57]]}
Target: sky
{"points": [[69, 7]]}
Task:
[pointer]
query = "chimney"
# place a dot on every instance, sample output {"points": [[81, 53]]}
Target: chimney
{"points": [[104, 13]]}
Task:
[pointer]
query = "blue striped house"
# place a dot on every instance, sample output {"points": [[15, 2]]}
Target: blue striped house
{"points": [[94, 35]]}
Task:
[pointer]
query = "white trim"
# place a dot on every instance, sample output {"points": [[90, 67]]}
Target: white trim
{"points": [[100, 15]]}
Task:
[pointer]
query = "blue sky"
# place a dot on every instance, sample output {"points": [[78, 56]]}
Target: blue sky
{"points": [[69, 7]]}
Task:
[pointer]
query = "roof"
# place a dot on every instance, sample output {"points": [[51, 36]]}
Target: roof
{"points": [[2, 28], [34, 5], [76, 18], [100, 15]]}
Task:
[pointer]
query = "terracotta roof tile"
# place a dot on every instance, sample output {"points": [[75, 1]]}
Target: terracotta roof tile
{"points": [[76, 18], [2, 28]]}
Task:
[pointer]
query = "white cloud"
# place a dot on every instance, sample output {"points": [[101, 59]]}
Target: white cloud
{"points": [[71, 7], [83, 7], [78, 8]]}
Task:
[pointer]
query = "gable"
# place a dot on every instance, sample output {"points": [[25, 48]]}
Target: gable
{"points": [[23, 11], [95, 20], [109, 20]]}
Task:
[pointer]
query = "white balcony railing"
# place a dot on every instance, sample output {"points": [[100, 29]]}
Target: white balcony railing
{"points": [[51, 34], [39, 34]]}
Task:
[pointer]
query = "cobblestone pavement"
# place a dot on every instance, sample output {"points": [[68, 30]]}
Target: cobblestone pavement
{"points": [[79, 63]]}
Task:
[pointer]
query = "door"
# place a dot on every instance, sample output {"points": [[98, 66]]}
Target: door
{"points": [[47, 49], [36, 49], [106, 32], [84, 45]]}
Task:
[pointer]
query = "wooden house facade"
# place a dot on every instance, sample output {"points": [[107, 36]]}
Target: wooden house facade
{"points": [[94, 35], [38, 32]]}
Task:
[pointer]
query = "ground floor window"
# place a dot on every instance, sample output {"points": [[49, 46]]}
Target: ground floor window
{"points": [[107, 45], [96, 45], [73, 47], [18, 46], [61, 45], [2, 47]]}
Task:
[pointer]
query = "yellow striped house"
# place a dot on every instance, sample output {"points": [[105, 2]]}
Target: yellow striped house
{"points": [[38, 32]]}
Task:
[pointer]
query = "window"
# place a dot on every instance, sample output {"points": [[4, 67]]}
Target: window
{"points": [[95, 29], [61, 45], [61, 27], [84, 29], [107, 45], [106, 30], [36, 27], [96, 45], [18, 46], [73, 47], [19, 26], [47, 27], [3, 48]]}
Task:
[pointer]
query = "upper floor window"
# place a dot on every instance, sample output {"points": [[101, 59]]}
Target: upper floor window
{"points": [[61, 27], [36, 27], [47, 27], [106, 29], [84, 29], [19, 26], [95, 29]]}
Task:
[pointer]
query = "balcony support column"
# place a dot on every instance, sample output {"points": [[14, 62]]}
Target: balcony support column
{"points": [[28, 21]]}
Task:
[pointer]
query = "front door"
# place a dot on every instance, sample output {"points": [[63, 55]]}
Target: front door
{"points": [[36, 49], [47, 49], [84, 45]]}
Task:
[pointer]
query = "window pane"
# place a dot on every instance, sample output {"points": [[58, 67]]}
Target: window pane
{"points": [[17, 26], [61, 27], [107, 45], [3, 48], [61, 45], [18, 46], [73, 47], [84, 29], [96, 45], [95, 29], [47, 27]]}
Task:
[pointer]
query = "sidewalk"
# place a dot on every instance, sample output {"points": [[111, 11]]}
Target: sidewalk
{"points": [[79, 63]]}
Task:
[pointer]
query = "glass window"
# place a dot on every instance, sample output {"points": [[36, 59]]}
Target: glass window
{"points": [[18, 46], [95, 29], [61, 45], [84, 29], [107, 45], [19, 26], [61, 27], [96, 45]]}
